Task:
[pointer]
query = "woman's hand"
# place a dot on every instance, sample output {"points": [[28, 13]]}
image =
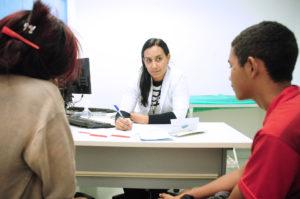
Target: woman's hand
{"points": [[139, 118], [168, 196], [123, 124]]}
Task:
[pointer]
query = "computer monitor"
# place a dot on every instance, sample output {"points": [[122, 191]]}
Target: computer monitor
{"points": [[79, 83], [82, 81]]}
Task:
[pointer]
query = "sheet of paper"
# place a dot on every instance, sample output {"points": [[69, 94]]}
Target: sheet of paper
{"points": [[99, 133], [183, 125], [151, 133], [197, 131], [124, 134], [107, 133]]}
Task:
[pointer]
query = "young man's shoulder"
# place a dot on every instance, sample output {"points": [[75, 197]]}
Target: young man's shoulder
{"points": [[284, 123]]}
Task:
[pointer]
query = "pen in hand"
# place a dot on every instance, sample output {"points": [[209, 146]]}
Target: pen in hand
{"points": [[118, 110], [123, 125]]}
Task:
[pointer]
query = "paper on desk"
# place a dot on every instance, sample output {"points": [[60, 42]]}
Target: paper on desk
{"points": [[185, 127], [107, 133], [151, 133], [101, 133], [123, 134], [198, 130], [155, 135]]}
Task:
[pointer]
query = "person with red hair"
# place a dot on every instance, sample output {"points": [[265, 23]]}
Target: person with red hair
{"points": [[36, 145]]}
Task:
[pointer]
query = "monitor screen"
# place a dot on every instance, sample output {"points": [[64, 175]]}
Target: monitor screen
{"points": [[80, 83]]}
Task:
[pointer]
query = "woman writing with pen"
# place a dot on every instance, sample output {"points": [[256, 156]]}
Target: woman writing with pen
{"points": [[158, 94]]}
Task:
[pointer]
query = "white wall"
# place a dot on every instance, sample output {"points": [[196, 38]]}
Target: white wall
{"points": [[58, 7], [198, 33]]}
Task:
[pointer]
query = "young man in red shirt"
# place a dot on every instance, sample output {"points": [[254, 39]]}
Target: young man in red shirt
{"points": [[262, 60]]}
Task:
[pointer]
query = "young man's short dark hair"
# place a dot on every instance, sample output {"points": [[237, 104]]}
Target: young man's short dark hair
{"points": [[271, 42]]}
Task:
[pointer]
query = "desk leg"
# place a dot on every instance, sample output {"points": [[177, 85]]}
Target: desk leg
{"points": [[235, 158], [224, 161]]}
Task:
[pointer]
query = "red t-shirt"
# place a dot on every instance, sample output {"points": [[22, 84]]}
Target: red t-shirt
{"points": [[273, 169]]}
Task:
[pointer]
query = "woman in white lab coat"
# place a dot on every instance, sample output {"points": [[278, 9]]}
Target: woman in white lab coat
{"points": [[158, 94]]}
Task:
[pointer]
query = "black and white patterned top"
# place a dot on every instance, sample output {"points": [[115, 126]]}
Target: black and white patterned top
{"points": [[154, 108]]}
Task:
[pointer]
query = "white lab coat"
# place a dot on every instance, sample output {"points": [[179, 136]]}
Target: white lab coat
{"points": [[174, 95]]}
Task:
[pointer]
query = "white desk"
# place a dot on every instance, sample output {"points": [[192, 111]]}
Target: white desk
{"points": [[131, 163]]}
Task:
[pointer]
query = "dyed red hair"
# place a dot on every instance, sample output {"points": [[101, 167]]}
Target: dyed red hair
{"points": [[58, 45]]}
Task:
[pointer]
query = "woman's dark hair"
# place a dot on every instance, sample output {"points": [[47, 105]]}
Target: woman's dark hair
{"points": [[145, 82], [58, 50], [271, 42]]}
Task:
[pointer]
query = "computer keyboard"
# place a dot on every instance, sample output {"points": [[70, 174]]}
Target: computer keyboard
{"points": [[87, 123]]}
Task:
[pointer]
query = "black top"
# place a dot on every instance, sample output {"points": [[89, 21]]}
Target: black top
{"points": [[163, 118]]}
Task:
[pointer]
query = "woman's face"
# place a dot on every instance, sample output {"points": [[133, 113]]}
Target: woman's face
{"points": [[156, 62]]}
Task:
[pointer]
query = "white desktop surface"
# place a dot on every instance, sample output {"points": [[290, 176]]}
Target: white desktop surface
{"points": [[179, 163], [216, 135]]}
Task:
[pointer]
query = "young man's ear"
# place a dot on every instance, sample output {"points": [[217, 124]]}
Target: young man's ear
{"points": [[252, 66]]}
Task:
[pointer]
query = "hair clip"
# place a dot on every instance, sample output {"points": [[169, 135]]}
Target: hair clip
{"points": [[13, 34], [30, 28]]}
